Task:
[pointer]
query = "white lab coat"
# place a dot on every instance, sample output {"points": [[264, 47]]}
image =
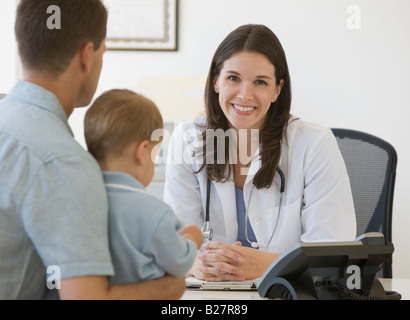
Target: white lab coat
{"points": [[317, 203]]}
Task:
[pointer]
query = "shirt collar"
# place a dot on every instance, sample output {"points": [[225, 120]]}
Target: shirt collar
{"points": [[122, 178], [36, 95]]}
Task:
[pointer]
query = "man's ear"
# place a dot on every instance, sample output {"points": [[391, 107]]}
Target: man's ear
{"points": [[86, 56], [140, 152]]}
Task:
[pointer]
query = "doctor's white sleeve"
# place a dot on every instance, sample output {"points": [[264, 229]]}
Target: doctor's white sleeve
{"points": [[328, 209]]}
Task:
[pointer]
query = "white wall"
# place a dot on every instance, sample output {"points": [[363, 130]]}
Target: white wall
{"points": [[8, 49], [356, 79]]}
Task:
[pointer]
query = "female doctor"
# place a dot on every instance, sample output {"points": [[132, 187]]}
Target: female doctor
{"points": [[295, 187]]}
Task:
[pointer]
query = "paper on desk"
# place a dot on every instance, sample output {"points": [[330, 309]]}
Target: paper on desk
{"points": [[193, 282]]}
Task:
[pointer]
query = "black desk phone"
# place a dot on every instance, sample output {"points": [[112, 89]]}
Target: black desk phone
{"points": [[329, 271]]}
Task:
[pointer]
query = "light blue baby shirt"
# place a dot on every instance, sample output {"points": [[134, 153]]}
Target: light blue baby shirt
{"points": [[53, 205], [144, 233]]}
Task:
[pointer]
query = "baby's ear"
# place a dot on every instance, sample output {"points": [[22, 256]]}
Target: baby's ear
{"points": [[140, 151]]}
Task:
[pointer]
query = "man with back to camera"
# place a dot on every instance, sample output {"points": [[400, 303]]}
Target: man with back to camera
{"points": [[53, 206]]}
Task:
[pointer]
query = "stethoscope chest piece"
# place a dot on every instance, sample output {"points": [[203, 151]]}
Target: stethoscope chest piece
{"points": [[207, 232]]}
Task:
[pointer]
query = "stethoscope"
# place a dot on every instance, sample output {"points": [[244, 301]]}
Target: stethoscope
{"points": [[207, 232]]}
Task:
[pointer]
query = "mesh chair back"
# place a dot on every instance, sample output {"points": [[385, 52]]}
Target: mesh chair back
{"points": [[371, 165]]}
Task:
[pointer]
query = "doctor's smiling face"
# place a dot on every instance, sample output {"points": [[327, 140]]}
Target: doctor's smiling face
{"points": [[247, 87]]}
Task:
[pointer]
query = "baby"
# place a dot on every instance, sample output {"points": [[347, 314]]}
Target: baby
{"points": [[147, 240]]}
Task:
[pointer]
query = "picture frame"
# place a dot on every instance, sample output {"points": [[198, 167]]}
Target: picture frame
{"points": [[142, 25]]}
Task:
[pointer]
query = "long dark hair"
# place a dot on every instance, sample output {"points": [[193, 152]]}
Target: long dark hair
{"points": [[260, 39]]}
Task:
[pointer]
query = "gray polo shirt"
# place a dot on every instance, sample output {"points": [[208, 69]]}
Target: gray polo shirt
{"points": [[53, 205]]}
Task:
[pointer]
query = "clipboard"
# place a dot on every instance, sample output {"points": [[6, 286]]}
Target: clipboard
{"points": [[192, 282]]}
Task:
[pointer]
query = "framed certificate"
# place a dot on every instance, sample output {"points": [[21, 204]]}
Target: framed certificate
{"points": [[142, 25]]}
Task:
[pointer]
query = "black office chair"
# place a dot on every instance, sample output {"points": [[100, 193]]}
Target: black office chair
{"points": [[371, 165]]}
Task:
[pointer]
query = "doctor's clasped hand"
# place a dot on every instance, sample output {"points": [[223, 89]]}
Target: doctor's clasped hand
{"points": [[225, 262]]}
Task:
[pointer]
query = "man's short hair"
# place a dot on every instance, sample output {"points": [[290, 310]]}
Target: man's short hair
{"points": [[51, 49]]}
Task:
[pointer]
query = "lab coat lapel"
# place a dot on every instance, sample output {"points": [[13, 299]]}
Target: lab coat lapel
{"points": [[254, 168], [256, 165]]}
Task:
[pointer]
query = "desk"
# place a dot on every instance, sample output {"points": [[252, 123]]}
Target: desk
{"points": [[402, 286]]}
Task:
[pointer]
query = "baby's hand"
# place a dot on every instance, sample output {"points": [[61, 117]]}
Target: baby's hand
{"points": [[192, 233]]}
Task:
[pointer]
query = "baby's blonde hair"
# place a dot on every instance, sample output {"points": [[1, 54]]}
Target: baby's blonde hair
{"points": [[117, 118]]}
